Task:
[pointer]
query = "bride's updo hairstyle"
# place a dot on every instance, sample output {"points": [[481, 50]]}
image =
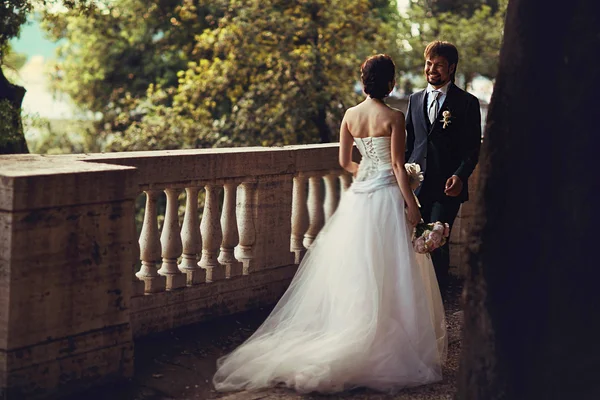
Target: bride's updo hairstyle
{"points": [[376, 74]]}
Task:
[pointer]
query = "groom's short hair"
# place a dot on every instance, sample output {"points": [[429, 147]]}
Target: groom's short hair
{"points": [[443, 49]]}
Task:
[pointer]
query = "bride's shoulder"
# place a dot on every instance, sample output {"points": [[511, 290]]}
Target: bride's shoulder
{"points": [[350, 111], [353, 109], [397, 114]]}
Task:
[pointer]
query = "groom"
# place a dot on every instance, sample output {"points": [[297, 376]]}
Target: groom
{"points": [[443, 135]]}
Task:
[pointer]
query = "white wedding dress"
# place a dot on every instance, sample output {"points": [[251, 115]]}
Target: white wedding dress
{"points": [[363, 309]]}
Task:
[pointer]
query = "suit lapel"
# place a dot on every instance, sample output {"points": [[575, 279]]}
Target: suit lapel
{"points": [[423, 112]]}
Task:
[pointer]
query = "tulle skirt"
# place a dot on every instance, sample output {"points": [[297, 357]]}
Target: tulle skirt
{"points": [[363, 310]]}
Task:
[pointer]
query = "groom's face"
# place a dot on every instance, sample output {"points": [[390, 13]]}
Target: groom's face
{"points": [[437, 70]]}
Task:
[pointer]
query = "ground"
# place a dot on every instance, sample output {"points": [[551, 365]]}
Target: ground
{"points": [[179, 364]]}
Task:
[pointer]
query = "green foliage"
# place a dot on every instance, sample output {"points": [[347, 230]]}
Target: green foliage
{"points": [[9, 136], [168, 74], [279, 73], [254, 72], [115, 55], [120, 47], [13, 14], [54, 136], [13, 60], [462, 7], [476, 31]]}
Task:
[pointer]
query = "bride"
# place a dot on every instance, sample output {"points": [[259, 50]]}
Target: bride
{"points": [[363, 309]]}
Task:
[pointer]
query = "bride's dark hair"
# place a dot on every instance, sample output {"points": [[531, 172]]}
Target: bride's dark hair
{"points": [[376, 74]]}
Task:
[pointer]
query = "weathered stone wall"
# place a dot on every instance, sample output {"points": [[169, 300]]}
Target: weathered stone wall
{"points": [[64, 294], [170, 309]]}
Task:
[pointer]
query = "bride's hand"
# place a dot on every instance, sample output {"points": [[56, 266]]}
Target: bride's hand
{"points": [[413, 215]]}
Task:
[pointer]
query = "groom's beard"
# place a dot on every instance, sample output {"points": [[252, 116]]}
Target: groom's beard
{"points": [[437, 81]]}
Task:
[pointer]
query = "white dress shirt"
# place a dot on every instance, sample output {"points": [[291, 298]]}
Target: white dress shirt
{"points": [[441, 97]]}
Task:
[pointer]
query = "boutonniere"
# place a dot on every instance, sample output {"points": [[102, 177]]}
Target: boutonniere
{"points": [[446, 119]]}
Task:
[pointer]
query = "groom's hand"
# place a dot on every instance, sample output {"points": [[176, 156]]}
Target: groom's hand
{"points": [[454, 186]]}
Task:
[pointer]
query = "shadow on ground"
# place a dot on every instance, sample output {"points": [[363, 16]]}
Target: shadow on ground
{"points": [[180, 364]]}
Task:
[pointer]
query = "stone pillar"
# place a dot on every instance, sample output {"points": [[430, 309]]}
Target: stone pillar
{"points": [[171, 243], [246, 219], [299, 217], [66, 254], [190, 237], [231, 238], [210, 227], [345, 182], [315, 208], [331, 194], [150, 246]]}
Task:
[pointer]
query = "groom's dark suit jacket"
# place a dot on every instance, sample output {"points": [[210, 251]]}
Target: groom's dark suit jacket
{"points": [[444, 152]]}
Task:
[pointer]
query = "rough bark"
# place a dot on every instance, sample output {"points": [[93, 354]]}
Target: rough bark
{"points": [[12, 137], [532, 296]]}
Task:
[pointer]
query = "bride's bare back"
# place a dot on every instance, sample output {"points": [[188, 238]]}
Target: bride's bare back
{"points": [[372, 118]]}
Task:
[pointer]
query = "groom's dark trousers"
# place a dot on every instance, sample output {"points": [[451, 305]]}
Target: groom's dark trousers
{"points": [[445, 211], [442, 150]]}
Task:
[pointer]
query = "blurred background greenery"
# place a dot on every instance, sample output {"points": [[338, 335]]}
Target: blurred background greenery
{"points": [[171, 74]]}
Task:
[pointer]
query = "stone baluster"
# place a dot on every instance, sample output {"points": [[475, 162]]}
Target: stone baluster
{"points": [[190, 237], [210, 227], [315, 209], [299, 217], [233, 267], [150, 247], [171, 244], [345, 182], [245, 218], [138, 284], [331, 194]]}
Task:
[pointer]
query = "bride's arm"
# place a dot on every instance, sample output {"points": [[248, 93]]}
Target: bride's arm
{"points": [[346, 143], [398, 148]]}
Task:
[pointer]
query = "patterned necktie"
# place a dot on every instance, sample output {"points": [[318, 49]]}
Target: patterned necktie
{"points": [[433, 107]]}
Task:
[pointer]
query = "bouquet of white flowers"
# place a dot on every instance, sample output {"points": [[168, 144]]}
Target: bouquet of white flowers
{"points": [[429, 237]]}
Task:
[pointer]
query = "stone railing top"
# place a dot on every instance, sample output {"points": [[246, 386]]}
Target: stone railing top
{"points": [[29, 165], [37, 181], [172, 167]]}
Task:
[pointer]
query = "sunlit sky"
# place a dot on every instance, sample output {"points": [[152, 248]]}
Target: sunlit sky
{"points": [[33, 75]]}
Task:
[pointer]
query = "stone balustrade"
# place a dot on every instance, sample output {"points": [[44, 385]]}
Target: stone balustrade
{"points": [[262, 208], [78, 284]]}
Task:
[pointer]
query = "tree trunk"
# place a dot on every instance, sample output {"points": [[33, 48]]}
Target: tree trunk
{"points": [[12, 138], [322, 126], [532, 295]]}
